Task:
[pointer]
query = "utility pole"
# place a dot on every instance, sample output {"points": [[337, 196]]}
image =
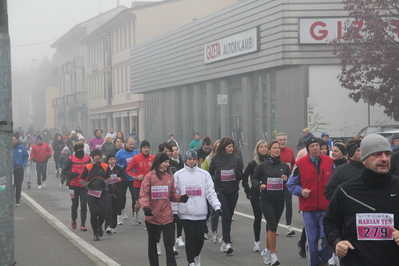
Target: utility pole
{"points": [[6, 129]]}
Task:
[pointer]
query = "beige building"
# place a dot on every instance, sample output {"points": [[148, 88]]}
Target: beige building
{"points": [[110, 102]]}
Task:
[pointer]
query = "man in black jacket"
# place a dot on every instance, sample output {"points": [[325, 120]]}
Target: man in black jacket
{"points": [[360, 217], [346, 171]]}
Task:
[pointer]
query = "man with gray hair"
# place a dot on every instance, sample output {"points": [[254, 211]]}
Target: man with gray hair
{"points": [[360, 219]]}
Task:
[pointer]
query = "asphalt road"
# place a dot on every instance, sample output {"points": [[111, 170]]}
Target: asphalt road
{"points": [[129, 245]]}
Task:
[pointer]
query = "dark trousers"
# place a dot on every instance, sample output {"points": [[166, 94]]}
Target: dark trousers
{"points": [[80, 195], [98, 210], [258, 217], [168, 241], [113, 208], [272, 210], [56, 157], [124, 187], [194, 237], [41, 171], [229, 202], [288, 206], [18, 179]]}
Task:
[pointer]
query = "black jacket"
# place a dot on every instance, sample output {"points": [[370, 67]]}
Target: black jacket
{"points": [[370, 193], [116, 188], [175, 166], [272, 168], [249, 171], [394, 170], [230, 164], [341, 174]]}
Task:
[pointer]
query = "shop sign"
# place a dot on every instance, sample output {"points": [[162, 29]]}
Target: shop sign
{"points": [[232, 46]]}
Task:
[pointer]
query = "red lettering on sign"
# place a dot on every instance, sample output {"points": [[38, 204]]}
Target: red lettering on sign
{"points": [[339, 28], [321, 33], [359, 26], [213, 51]]}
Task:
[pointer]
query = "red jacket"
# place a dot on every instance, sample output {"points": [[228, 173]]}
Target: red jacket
{"points": [[39, 153], [161, 207], [142, 165], [77, 166], [287, 156], [316, 182]]}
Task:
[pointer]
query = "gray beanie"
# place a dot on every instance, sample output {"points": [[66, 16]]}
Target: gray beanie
{"points": [[373, 143]]}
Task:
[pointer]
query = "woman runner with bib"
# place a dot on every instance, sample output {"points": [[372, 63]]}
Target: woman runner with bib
{"points": [[269, 178]]}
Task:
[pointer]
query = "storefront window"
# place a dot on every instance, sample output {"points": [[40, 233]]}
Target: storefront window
{"points": [[203, 110], [235, 104]]}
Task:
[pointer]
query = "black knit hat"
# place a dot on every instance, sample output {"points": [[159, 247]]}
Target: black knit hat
{"points": [[311, 140], [95, 152], [77, 146], [341, 147], [144, 143], [163, 157], [109, 156], [39, 137], [352, 146]]}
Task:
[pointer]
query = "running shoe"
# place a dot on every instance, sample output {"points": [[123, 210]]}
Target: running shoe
{"points": [[120, 221], [100, 231], [113, 230], [39, 187], [229, 250], [83, 228], [289, 231], [180, 242], [124, 215], [274, 260], [205, 236], [136, 220], [214, 237], [17, 204], [256, 246], [191, 264], [175, 251], [44, 184], [73, 224], [266, 256], [223, 247], [61, 185], [108, 230], [96, 237]]}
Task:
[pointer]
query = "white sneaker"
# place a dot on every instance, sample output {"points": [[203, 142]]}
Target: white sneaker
{"points": [[158, 249], [266, 256], [256, 246], [191, 264], [180, 242], [136, 220], [197, 260], [39, 187], [289, 231], [120, 221], [43, 184], [113, 230], [274, 260], [221, 240], [67, 187], [175, 251], [108, 230], [223, 247], [214, 237], [124, 215], [205, 236], [229, 250], [60, 185]]}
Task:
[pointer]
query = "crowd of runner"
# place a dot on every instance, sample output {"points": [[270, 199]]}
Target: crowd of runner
{"points": [[347, 192]]}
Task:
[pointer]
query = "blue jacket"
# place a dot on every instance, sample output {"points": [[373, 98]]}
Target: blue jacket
{"points": [[20, 155], [123, 158]]}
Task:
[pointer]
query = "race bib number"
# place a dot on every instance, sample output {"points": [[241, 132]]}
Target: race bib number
{"points": [[194, 190], [274, 183], [227, 175], [94, 193], [159, 192], [374, 226], [113, 179], [98, 146], [71, 193]]}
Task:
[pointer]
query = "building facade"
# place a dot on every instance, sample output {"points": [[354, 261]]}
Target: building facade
{"points": [[110, 101], [248, 71]]}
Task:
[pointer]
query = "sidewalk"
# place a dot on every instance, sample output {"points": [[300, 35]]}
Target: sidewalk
{"points": [[37, 242]]}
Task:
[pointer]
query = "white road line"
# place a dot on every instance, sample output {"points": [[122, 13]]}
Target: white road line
{"points": [[263, 220], [82, 244]]}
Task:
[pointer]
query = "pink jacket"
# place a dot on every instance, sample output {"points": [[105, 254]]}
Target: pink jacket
{"points": [[157, 195]]}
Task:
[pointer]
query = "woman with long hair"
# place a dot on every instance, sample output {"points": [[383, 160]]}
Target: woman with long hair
{"points": [[156, 194], [107, 148], [226, 171], [269, 178], [260, 156]]}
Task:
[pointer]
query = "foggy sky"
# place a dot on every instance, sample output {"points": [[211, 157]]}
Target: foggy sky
{"points": [[37, 21]]}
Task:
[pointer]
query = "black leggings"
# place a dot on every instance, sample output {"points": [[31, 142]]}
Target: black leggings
{"points": [[288, 206], [80, 193], [124, 187], [194, 237], [18, 179], [168, 241], [229, 202], [258, 217], [98, 210], [113, 207], [272, 210]]}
